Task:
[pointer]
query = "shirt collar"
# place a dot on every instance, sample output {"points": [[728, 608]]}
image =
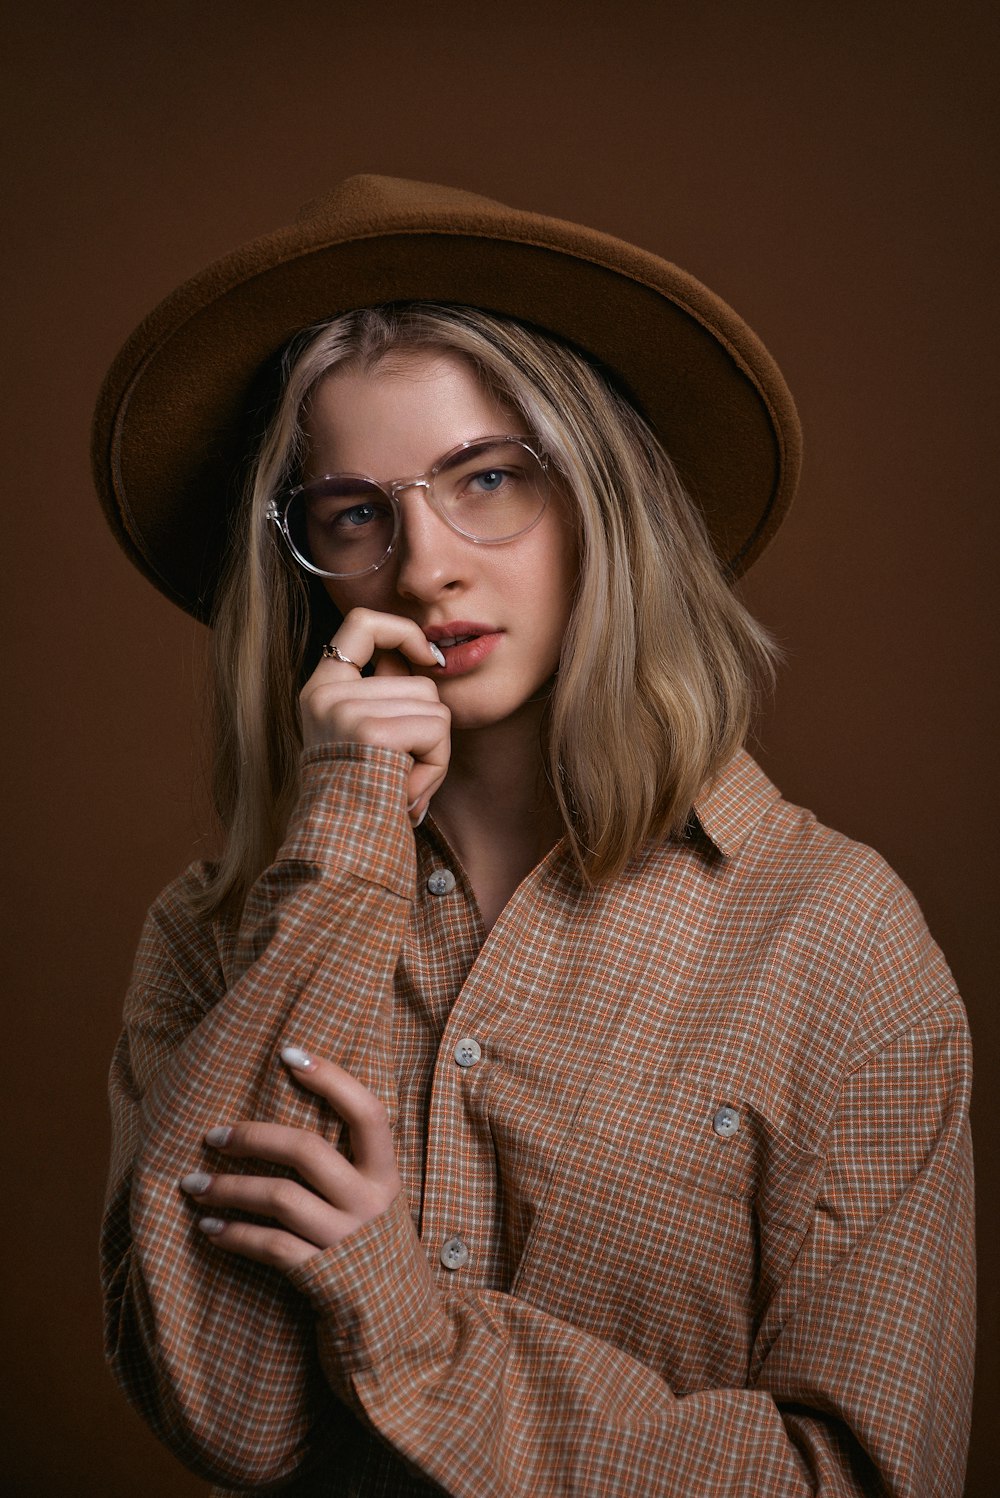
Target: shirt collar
{"points": [[731, 805]]}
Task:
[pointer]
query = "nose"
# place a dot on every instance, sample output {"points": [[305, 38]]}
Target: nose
{"points": [[429, 553]]}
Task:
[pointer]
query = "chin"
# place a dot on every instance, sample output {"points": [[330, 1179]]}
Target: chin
{"points": [[468, 720], [493, 708]]}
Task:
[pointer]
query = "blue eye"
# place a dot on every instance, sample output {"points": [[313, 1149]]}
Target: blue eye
{"points": [[490, 480], [358, 515]]}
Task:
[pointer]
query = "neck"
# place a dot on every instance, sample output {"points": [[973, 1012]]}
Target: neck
{"points": [[496, 806]]}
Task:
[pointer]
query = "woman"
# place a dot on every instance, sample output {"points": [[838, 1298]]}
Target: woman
{"points": [[528, 1100]]}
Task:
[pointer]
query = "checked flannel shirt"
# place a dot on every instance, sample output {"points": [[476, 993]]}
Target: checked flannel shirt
{"points": [[686, 1164]]}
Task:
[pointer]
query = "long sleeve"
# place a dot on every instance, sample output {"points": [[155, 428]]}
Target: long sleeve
{"points": [[216, 1353], [700, 1137], [859, 1374]]}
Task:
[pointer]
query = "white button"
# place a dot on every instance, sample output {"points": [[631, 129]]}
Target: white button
{"points": [[441, 882], [468, 1052], [454, 1254], [726, 1122]]}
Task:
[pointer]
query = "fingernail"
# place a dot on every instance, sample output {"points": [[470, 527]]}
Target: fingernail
{"points": [[422, 815], [296, 1059], [437, 654], [211, 1225], [219, 1137], [195, 1183]]}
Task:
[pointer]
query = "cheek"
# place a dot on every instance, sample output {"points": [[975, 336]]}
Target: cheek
{"points": [[373, 592], [556, 575], [338, 596]]}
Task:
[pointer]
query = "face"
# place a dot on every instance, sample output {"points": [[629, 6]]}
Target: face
{"points": [[513, 598]]}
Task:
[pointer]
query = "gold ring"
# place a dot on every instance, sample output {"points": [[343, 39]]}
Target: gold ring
{"points": [[331, 653]]}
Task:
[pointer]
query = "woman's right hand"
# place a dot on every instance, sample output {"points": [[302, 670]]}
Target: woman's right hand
{"points": [[393, 709]]}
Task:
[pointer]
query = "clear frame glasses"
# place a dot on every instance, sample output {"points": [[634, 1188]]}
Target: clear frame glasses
{"points": [[346, 525]]}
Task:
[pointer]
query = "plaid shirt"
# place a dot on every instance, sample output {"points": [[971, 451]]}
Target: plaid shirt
{"points": [[686, 1160]]}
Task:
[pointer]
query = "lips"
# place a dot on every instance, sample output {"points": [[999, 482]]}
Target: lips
{"points": [[465, 645], [456, 632]]}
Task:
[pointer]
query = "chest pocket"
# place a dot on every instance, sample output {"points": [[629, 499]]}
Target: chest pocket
{"points": [[673, 1208]]}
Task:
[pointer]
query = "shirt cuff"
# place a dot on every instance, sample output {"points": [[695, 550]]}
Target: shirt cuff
{"points": [[375, 1296], [351, 815]]}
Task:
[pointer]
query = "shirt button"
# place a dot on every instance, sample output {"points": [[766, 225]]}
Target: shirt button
{"points": [[726, 1122], [468, 1052], [441, 882], [454, 1254]]}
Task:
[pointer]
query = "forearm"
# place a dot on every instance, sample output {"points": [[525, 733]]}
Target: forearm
{"points": [[488, 1395], [215, 1353]]}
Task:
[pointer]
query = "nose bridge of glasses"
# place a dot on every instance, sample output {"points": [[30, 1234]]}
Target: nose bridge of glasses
{"points": [[419, 481], [425, 516]]}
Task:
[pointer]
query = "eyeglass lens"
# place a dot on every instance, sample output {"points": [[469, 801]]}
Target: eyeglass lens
{"points": [[490, 491]]}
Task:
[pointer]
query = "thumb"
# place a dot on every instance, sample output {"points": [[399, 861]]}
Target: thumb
{"points": [[391, 663]]}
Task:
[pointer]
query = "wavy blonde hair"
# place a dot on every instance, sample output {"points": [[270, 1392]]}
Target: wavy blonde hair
{"points": [[660, 662]]}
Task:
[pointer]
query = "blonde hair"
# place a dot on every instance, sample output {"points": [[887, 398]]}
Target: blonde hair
{"points": [[660, 661]]}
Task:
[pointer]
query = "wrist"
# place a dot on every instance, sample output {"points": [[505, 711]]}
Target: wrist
{"points": [[351, 815], [375, 1297]]}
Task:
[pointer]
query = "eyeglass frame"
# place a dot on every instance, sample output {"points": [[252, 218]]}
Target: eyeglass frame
{"points": [[277, 509]]}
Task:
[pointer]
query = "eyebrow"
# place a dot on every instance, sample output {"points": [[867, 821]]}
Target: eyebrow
{"points": [[419, 473]]}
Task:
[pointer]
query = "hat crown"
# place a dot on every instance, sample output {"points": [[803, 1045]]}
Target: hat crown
{"points": [[176, 416], [368, 201]]}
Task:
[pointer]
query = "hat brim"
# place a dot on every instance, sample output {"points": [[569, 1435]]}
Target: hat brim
{"points": [[170, 430]]}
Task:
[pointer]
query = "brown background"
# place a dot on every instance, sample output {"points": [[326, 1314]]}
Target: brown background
{"points": [[830, 170]]}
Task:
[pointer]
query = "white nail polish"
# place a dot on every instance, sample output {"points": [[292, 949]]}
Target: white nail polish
{"points": [[211, 1225], [219, 1137], [195, 1183], [437, 654], [298, 1060]]}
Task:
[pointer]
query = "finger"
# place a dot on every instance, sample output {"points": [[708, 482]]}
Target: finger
{"points": [[265, 1245], [291, 1205], [347, 700], [390, 663], [364, 1114], [418, 730], [422, 738], [383, 698], [316, 1161], [364, 631], [424, 780]]}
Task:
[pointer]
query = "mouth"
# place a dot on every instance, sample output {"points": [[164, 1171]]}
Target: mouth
{"points": [[463, 643], [447, 641], [457, 632]]}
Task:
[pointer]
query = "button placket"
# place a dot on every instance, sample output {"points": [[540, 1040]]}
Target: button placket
{"points": [[460, 1160]]}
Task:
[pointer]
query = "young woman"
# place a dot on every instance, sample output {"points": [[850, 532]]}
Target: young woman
{"points": [[528, 1100]]}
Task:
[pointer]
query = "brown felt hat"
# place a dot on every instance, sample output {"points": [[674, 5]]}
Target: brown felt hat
{"points": [[172, 428]]}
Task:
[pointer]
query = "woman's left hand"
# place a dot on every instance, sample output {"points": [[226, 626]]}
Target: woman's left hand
{"points": [[339, 1197]]}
